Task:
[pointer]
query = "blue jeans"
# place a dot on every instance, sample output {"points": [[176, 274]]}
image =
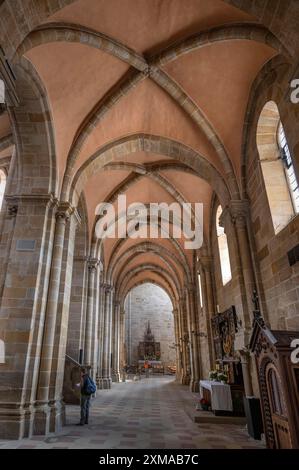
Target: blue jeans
{"points": [[85, 403]]}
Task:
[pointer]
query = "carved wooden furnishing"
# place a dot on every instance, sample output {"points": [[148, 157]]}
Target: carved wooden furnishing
{"points": [[225, 327], [279, 384], [149, 348]]}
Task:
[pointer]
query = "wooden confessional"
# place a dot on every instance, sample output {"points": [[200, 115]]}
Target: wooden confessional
{"points": [[279, 384]]}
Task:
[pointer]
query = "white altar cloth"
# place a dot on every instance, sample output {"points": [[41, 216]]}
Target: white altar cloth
{"points": [[221, 398]]}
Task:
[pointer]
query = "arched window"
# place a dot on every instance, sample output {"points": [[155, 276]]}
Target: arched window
{"points": [[277, 167], [199, 290], [223, 250], [289, 167], [2, 352], [2, 186]]}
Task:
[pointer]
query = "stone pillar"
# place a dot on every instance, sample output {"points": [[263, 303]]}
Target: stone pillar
{"points": [[184, 339], [24, 287], [62, 316], [101, 333], [240, 214], [206, 263], [234, 220], [177, 345], [122, 340], [42, 411], [105, 380], [96, 329], [116, 340], [89, 328], [193, 331], [76, 325]]}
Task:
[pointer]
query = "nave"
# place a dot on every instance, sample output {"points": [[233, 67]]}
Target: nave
{"points": [[154, 413], [188, 105]]}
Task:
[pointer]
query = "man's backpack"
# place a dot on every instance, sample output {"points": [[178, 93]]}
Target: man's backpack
{"points": [[89, 386]]}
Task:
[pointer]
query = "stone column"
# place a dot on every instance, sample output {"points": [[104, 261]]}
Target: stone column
{"points": [[193, 330], [42, 411], [122, 340], [76, 325], [62, 316], [234, 220], [101, 333], [206, 263], [184, 338], [105, 380], [177, 345], [240, 214], [25, 269], [96, 316], [116, 334], [89, 328]]}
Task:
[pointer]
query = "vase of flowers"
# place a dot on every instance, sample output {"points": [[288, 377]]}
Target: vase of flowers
{"points": [[213, 375], [222, 377], [204, 404]]}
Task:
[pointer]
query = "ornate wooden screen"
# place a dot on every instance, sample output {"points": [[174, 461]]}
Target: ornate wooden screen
{"points": [[279, 385]]}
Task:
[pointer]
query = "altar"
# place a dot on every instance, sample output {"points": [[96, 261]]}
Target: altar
{"points": [[149, 349], [216, 393]]}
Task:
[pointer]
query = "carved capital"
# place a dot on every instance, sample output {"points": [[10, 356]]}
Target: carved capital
{"points": [[92, 263], [12, 210], [239, 212], [64, 211], [107, 287], [225, 218]]}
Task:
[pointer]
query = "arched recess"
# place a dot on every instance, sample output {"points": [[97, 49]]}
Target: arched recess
{"points": [[145, 247], [275, 75], [157, 313], [225, 265], [37, 172], [277, 167], [124, 280], [80, 34], [149, 144], [136, 261]]}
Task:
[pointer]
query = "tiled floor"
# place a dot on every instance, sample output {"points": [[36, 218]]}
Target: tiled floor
{"points": [[148, 414]]}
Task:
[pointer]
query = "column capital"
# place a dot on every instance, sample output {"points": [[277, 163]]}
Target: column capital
{"points": [[92, 263], [107, 287], [116, 303], [64, 211], [239, 212], [225, 217], [13, 201]]}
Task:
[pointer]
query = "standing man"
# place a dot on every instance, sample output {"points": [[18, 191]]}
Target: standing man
{"points": [[88, 387]]}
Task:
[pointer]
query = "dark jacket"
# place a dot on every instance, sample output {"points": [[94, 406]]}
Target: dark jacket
{"points": [[83, 382]]}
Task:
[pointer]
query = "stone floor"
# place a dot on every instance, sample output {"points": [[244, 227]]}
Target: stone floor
{"points": [[148, 414]]}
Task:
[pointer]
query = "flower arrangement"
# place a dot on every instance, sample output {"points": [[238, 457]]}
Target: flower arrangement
{"points": [[213, 375], [204, 404], [222, 377]]}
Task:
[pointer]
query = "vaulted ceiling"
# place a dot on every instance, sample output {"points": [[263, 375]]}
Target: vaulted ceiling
{"points": [[169, 71]]}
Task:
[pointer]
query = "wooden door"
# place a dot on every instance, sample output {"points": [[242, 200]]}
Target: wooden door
{"points": [[278, 409]]}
